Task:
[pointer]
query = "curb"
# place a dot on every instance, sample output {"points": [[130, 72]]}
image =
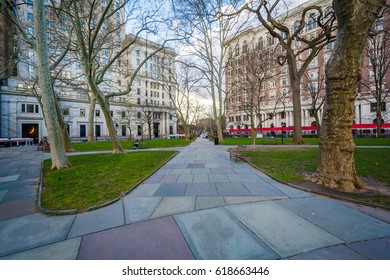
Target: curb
{"points": [[94, 207]]}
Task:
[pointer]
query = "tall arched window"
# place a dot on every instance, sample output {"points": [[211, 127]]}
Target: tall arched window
{"points": [[244, 47]]}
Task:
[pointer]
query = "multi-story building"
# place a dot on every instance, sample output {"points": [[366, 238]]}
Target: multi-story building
{"points": [[21, 114], [274, 101]]}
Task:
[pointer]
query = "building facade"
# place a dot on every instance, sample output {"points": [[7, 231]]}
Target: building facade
{"points": [[21, 114], [253, 56]]}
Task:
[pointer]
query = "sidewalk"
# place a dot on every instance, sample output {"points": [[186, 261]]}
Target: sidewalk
{"points": [[200, 205]]}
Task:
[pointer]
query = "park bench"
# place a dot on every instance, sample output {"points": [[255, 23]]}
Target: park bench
{"points": [[237, 153]]}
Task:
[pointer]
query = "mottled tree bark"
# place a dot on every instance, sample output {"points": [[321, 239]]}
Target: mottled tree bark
{"points": [[91, 116], [58, 154], [336, 167]]}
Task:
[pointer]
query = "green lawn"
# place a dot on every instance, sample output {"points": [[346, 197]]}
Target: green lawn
{"points": [[313, 141], [97, 178], [289, 164], [127, 145]]}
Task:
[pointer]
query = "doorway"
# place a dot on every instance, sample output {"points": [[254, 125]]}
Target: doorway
{"points": [[30, 130]]}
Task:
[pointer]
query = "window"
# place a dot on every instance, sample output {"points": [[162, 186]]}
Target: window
{"points": [[284, 35], [83, 130], [284, 81], [311, 23], [123, 114], [138, 53], [373, 106], [244, 47], [123, 130], [82, 112], [111, 114], [282, 115], [97, 113], [65, 111], [139, 130], [139, 115], [237, 50], [138, 91], [30, 17], [30, 108], [260, 44]]}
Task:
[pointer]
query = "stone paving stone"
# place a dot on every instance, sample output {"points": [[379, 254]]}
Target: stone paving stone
{"points": [[212, 165], [171, 189], [163, 171], [9, 178], [377, 249], [340, 252], [196, 165], [204, 202], [221, 170], [244, 170], [97, 220], [185, 178], [139, 208], [232, 200], [32, 231], [170, 178], [145, 190], [231, 189], [291, 192], [2, 194], [215, 234], [286, 233], [340, 220], [264, 189], [374, 212], [154, 179], [219, 178], [17, 208], [244, 178], [173, 205], [18, 184], [180, 171], [200, 171], [201, 178], [201, 189], [65, 250], [158, 239], [20, 194]]}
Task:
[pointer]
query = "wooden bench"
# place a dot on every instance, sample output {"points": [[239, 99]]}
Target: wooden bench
{"points": [[237, 153]]}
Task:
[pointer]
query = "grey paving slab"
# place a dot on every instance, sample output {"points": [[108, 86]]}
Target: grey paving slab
{"points": [[97, 220], [154, 179], [263, 188], [204, 202], [17, 208], [377, 249], [340, 252], [201, 189], [380, 214], [219, 178], [245, 170], [9, 178], [171, 189], [170, 178], [286, 233], [289, 191], [158, 239], [139, 208], [172, 205], [221, 170], [65, 250], [200, 178], [244, 178], [2, 194], [231, 189], [196, 165], [345, 223], [200, 171], [145, 190], [181, 171], [185, 178], [20, 194], [164, 171], [32, 231], [232, 200], [18, 184], [215, 234]]}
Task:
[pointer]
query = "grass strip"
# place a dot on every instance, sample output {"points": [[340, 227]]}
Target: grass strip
{"points": [[96, 179]]}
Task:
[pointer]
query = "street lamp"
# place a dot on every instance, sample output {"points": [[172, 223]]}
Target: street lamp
{"points": [[283, 125]]}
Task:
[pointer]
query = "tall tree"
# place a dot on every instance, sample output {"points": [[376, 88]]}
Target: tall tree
{"points": [[57, 148], [312, 30], [377, 52], [336, 166], [211, 32]]}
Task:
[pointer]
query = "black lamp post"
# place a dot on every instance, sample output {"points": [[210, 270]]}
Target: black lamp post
{"points": [[283, 125]]}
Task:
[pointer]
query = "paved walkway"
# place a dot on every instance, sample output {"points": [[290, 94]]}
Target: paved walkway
{"points": [[200, 205]]}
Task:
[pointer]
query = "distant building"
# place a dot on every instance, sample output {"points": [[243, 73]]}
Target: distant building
{"points": [[20, 111], [276, 98]]}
